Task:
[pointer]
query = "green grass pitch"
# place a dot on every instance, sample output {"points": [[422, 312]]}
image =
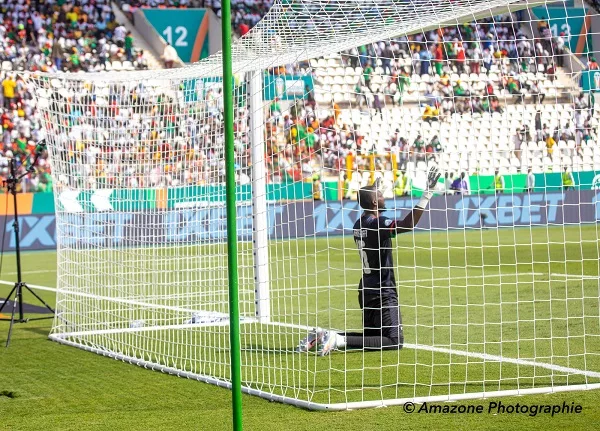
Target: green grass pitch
{"points": [[59, 387]]}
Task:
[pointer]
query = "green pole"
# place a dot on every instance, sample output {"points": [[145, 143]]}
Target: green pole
{"points": [[232, 251]]}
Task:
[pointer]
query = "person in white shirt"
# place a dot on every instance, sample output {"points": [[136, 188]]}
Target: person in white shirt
{"points": [[537, 93], [169, 56], [530, 181], [448, 183], [119, 35]]}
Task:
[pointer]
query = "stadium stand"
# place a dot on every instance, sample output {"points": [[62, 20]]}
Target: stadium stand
{"points": [[47, 36], [452, 87], [473, 98]]}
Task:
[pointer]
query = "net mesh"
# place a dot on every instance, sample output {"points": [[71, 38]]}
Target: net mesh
{"points": [[498, 285]]}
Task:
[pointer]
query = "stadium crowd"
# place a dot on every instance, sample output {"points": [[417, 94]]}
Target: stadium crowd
{"points": [[304, 141], [51, 36], [495, 55]]}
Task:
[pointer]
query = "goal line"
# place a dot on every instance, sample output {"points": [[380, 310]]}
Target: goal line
{"points": [[215, 319], [362, 404]]}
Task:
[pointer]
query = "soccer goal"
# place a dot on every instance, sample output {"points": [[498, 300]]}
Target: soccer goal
{"points": [[497, 285]]}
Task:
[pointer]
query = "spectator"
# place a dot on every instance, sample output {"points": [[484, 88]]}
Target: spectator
{"points": [[141, 63], [368, 75], [400, 184], [9, 85], [430, 114], [487, 60], [418, 147], [119, 35], [377, 103], [580, 102], [426, 57], [485, 104], [513, 88], [359, 95], [559, 50], [243, 29], [460, 186], [57, 54], [461, 57], [495, 105], [477, 106], [542, 24], [448, 183], [538, 126], [346, 189], [436, 144], [498, 182], [129, 46], [518, 141], [403, 84], [551, 72], [550, 143], [530, 180], [169, 56], [474, 54], [537, 93], [568, 181], [416, 62], [439, 59], [459, 90]]}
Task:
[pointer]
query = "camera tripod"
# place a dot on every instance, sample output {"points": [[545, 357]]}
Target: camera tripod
{"points": [[17, 291]]}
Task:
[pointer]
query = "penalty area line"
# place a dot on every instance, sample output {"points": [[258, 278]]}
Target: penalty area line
{"points": [[576, 276], [38, 271], [32, 286], [467, 276], [497, 358]]}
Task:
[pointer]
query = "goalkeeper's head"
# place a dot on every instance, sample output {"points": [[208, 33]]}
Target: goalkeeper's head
{"points": [[370, 198]]}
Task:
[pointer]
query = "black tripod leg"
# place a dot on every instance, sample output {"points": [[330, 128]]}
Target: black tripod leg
{"points": [[39, 299], [12, 317], [8, 298]]}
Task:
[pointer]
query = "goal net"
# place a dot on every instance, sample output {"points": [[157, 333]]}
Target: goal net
{"points": [[498, 283]]}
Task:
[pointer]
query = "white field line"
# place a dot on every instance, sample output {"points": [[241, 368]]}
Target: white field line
{"points": [[33, 286], [576, 276], [482, 356], [329, 407], [457, 277], [108, 298], [462, 277], [144, 304], [39, 271], [127, 301], [496, 358]]}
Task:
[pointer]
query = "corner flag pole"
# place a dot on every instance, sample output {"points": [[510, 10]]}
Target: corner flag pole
{"points": [[232, 251]]}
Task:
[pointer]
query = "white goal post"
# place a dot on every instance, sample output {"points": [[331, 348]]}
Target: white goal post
{"points": [[498, 284]]}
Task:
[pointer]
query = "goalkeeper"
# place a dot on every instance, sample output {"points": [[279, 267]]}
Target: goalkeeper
{"points": [[377, 294]]}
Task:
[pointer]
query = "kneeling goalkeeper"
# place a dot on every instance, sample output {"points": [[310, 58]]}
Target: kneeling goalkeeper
{"points": [[377, 294]]}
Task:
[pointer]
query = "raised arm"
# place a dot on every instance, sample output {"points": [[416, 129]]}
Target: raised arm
{"points": [[410, 221]]}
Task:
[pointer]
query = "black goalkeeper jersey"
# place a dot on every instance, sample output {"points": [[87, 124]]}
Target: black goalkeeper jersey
{"points": [[373, 236]]}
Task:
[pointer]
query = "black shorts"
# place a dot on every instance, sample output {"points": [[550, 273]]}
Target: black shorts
{"points": [[381, 316]]}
